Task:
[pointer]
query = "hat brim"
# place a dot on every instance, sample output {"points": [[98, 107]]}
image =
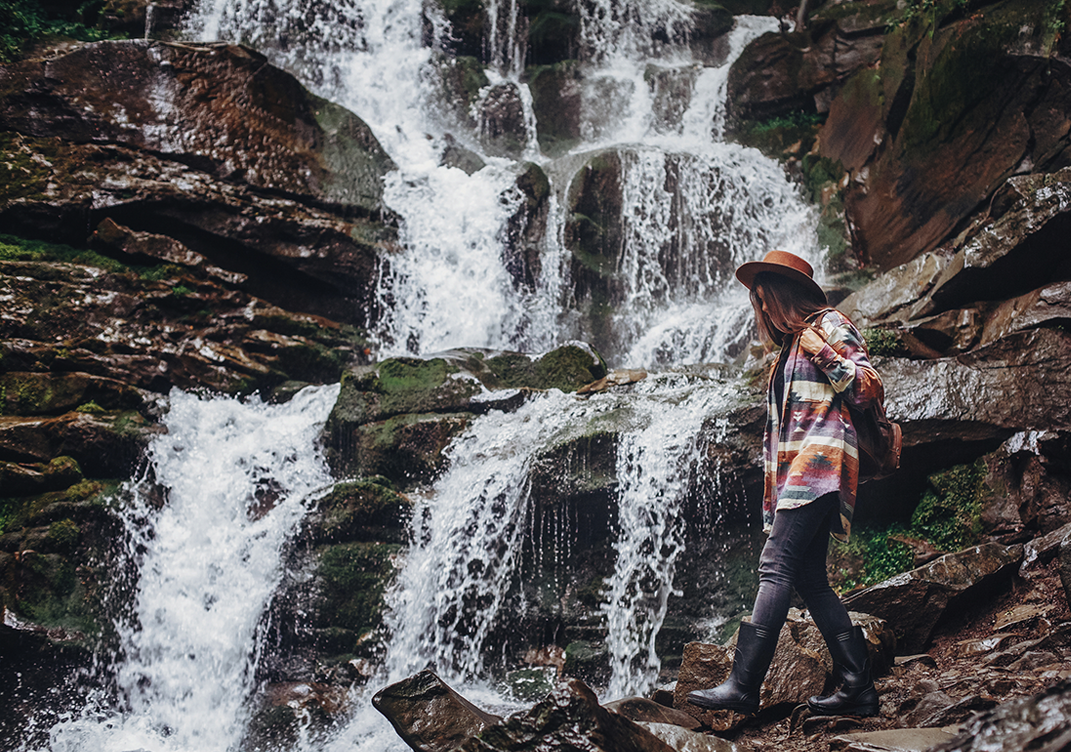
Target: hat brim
{"points": [[746, 274]]}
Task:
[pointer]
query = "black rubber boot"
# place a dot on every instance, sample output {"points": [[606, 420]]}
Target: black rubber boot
{"points": [[856, 695], [755, 647]]}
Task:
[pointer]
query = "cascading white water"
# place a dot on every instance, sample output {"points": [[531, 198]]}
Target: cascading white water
{"points": [[238, 474], [654, 474]]}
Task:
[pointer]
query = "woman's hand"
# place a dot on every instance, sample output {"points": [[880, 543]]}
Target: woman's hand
{"points": [[811, 342]]}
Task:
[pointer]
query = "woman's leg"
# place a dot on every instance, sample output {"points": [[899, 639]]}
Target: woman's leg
{"points": [[799, 536], [793, 532], [812, 583], [846, 643]]}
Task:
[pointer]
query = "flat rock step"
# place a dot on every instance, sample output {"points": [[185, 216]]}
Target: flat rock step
{"points": [[892, 740]]}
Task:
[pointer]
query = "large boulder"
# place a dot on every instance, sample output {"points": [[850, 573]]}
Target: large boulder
{"points": [[429, 715], [104, 335], [569, 718], [955, 106], [204, 156], [1041, 723], [1019, 383], [784, 73], [396, 418], [221, 107], [914, 602]]}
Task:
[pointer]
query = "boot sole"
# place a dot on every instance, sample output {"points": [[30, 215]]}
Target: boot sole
{"points": [[858, 712], [746, 710]]}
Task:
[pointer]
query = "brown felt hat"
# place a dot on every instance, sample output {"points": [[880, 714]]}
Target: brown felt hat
{"points": [[779, 262]]}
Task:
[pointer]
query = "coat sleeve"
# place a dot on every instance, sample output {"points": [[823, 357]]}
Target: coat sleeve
{"points": [[845, 362]]}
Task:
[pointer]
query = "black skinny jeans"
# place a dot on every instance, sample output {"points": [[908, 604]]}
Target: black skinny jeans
{"points": [[795, 557]]}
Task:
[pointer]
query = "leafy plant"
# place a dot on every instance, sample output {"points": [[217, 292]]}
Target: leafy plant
{"points": [[25, 21], [882, 341]]}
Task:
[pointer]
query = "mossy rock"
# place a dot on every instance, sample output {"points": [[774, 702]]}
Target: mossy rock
{"points": [[401, 385], [408, 448], [586, 661], [566, 368], [781, 138], [556, 101], [949, 513], [30, 479], [363, 511], [954, 95], [351, 579], [553, 30], [28, 393]]}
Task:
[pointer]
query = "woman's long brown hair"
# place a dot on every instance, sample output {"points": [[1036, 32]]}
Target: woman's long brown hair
{"points": [[788, 304]]}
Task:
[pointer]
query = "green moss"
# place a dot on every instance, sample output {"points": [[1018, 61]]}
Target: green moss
{"points": [[870, 557], [89, 407], [52, 595], [783, 136], [64, 535], [23, 22], [952, 97], [14, 248], [353, 577], [362, 510], [949, 514]]}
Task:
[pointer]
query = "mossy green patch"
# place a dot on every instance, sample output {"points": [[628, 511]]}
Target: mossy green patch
{"points": [[949, 514], [63, 535], [883, 342], [783, 136], [50, 593], [870, 556], [565, 368], [23, 22], [954, 96], [363, 510], [14, 248], [353, 577]]}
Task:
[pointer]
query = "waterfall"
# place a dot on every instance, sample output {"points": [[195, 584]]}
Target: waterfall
{"points": [[654, 466], [237, 475]]}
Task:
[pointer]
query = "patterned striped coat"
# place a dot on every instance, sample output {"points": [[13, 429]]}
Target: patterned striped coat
{"points": [[810, 445]]}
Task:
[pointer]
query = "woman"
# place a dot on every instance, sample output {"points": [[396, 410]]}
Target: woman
{"points": [[811, 474]]}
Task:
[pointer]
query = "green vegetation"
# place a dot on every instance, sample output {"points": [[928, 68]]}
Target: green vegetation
{"points": [[353, 577], [783, 136], [882, 342], [25, 21], [928, 12], [948, 516], [14, 248]]}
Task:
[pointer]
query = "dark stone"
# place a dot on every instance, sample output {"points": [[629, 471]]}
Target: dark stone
{"points": [[1020, 383], [913, 602], [456, 155], [1041, 723], [570, 718], [528, 228], [260, 127], [556, 101], [649, 711], [428, 715], [964, 106], [503, 130]]}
